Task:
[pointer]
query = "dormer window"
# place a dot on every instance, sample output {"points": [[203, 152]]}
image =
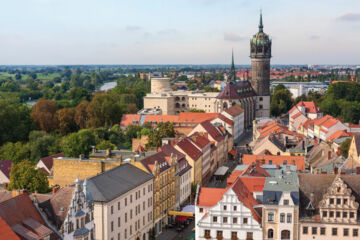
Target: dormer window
{"points": [[286, 202]]}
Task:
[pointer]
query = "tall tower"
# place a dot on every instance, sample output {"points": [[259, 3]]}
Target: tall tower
{"points": [[260, 53], [232, 73]]}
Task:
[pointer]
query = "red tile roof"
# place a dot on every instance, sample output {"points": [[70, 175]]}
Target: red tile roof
{"points": [[212, 130], [48, 161], [310, 107], [6, 232], [167, 149], [5, 167], [196, 118], [234, 110], [129, 119], [298, 161], [331, 122], [254, 184], [255, 170], [226, 120], [161, 118], [209, 197], [339, 134], [189, 149], [246, 197], [296, 115], [320, 121], [199, 139], [160, 157]]}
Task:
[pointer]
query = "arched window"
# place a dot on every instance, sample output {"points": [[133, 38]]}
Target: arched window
{"points": [[177, 99], [183, 105], [270, 234], [183, 98]]}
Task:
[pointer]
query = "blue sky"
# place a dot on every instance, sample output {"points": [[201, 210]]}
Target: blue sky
{"points": [[176, 31]]}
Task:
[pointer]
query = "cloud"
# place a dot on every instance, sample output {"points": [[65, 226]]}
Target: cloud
{"points": [[131, 28], [350, 17], [233, 37], [167, 31], [314, 37]]}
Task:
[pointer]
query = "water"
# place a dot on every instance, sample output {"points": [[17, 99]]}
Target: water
{"points": [[108, 86]]}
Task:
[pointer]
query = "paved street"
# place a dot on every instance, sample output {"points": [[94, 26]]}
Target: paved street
{"points": [[172, 234]]}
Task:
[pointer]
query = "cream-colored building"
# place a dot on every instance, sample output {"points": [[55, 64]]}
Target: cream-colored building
{"points": [[123, 203], [329, 206]]}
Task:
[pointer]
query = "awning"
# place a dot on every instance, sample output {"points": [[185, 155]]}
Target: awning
{"points": [[189, 208], [221, 171], [181, 219], [185, 214], [233, 152]]}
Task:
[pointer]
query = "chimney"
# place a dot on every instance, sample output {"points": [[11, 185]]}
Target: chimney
{"points": [[357, 170], [329, 155]]}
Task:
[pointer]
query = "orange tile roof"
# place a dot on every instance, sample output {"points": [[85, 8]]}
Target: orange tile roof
{"points": [[299, 161], [128, 119], [331, 122], [6, 232], [209, 197], [188, 117], [320, 121], [296, 115], [354, 125], [233, 176], [234, 110], [339, 134], [161, 118]]}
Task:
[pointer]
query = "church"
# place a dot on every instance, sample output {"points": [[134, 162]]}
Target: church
{"points": [[253, 95]]}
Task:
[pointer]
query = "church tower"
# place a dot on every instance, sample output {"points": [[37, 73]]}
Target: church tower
{"points": [[260, 53], [232, 73]]}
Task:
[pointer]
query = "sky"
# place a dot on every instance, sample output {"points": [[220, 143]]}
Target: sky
{"points": [[53, 32]]}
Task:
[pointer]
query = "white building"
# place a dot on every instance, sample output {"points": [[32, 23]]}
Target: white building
{"points": [[123, 203], [228, 213], [303, 88]]}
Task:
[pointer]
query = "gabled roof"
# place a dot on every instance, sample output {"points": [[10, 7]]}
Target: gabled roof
{"points": [[6, 232], [199, 139], [196, 118], [5, 167], [188, 147], [116, 182], [160, 158], [48, 161], [241, 89], [331, 122], [209, 197], [167, 149], [255, 170], [129, 119], [234, 110], [310, 107], [246, 197], [212, 130], [226, 120], [339, 134], [295, 116], [321, 121], [357, 142]]}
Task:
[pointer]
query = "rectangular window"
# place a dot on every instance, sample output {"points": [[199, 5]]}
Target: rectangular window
{"points": [[207, 233], [214, 219], [233, 235], [118, 205], [288, 218], [225, 207], [286, 202], [118, 221], [337, 214], [324, 213], [224, 219], [219, 233], [322, 231], [344, 214], [131, 198], [125, 202], [234, 220], [346, 232], [355, 232], [245, 220], [331, 214], [334, 231], [270, 217], [305, 230], [112, 210], [345, 201], [201, 210], [314, 230], [112, 226], [351, 214], [338, 201], [331, 201], [249, 235], [235, 208]]}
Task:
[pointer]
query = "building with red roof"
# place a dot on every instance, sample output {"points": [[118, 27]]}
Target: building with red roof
{"points": [[301, 112], [46, 163], [5, 167], [298, 161]]}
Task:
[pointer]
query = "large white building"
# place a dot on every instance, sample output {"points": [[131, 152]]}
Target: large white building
{"points": [[303, 88], [123, 203]]}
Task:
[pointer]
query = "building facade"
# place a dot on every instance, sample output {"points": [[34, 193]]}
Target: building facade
{"points": [[123, 203]]}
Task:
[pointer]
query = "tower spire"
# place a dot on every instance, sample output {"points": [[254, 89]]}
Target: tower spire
{"points": [[232, 75], [261, 26]]}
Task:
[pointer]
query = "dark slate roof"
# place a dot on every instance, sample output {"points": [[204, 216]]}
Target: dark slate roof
{"points": [[48, 161], [115, 182], [80, 232], [273, 197], [314, 186], [241, 89], [5, 167]]}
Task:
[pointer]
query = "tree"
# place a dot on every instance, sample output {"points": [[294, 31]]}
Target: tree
{"points": [[78, 95], [23, 175], [16, 152], [42, 144], [81, 115], [78, 143], [44, 115], [194, 110], [344, 147], [163, 130], [104, 144], [15, 122], [66, 118], [281, 102], [103, 110]]}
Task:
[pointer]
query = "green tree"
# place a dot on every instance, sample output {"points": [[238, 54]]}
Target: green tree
{"points": [[78, 143], [281, 102], [344, 147], [23, 175], [42, 144], [16, 152], [163, 130], [104, 144], [194, 110]]}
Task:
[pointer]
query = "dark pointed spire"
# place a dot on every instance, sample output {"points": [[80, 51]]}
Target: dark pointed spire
{"points": [[232, 74], [261, 26]]}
